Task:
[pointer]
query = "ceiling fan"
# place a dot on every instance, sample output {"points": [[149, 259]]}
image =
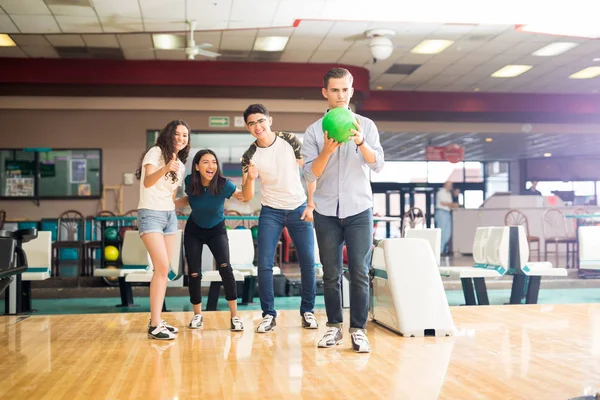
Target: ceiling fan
{"points": [[192, 50]]}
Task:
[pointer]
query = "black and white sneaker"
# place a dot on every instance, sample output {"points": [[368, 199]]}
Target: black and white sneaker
{"points": [[267, 324], [171, 328], [332, 338], [236, 324], [309, 321], [197, 321], [360, 343], [160, 332]]}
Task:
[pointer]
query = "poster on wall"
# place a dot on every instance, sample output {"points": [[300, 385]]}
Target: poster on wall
{"points": [[19, 187], [78, 171], [84, 189]]}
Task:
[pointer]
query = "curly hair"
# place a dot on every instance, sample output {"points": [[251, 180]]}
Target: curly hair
{"points": [[166, 143]]}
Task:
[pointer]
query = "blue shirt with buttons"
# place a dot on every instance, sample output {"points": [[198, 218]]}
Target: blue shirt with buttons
{"points": [[344, 188]]}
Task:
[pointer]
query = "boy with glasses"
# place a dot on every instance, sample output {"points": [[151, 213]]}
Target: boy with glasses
{"points": [[276, 158]]}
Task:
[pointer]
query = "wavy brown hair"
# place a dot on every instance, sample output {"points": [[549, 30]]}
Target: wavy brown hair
{"points": [[166, 143]]}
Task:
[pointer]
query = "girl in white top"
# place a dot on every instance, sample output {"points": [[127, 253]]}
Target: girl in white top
{"points": [[161, 172]]}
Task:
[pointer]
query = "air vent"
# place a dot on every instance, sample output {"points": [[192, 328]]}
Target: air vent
{"points": [[233, 55], [402, 69], [478, 38], [265, 55], [105, 53]]}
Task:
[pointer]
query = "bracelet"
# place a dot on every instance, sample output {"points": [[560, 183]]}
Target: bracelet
{"points": [[311, 206], [361, 143]]}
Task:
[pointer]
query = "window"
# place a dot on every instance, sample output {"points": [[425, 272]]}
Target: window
{"points": [[17, 173], [441, 171], [41, 173], [69, 173], [402, 172]]}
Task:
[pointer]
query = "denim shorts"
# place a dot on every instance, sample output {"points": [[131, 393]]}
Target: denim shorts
{"points": [[150, 221]]}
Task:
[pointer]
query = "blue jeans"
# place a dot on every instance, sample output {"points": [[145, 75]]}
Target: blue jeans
{"points": [[270, 225], [357, 232], [443, 220]]}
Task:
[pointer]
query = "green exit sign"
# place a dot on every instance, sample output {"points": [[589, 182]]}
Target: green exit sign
{"points": [[216, 122]]}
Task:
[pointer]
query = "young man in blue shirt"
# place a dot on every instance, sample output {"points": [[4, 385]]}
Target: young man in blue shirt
{"points": [[343, 209]]}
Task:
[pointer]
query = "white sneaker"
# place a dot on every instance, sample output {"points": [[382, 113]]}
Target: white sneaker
{"points": [[332, 338], [171, 328], [236, 324], [197, 321], [267, 324], [160, 332], [309, 321], [360, 343]]}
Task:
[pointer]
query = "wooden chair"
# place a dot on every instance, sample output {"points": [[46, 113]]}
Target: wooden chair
{"points": [[517, 218], [412, 218], [556, 232], [70, 234]]}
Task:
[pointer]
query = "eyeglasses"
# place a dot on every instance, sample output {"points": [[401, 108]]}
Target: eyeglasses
{"points": [[254, 123]]}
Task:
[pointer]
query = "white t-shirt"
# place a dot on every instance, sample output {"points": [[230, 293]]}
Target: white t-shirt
{"points": [[160, 195], [278, 171], [443, 196]]}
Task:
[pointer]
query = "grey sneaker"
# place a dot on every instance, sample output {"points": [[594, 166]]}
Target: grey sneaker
{"points": [[309, 321], [360, 343], [267, 324], [332, 338], [236, 324], [197, 321]]}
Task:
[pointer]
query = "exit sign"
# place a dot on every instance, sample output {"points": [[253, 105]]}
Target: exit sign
{"points": [[218, 122]]}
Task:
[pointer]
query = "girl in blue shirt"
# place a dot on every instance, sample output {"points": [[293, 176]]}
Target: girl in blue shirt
{"points": [[207, 189]]}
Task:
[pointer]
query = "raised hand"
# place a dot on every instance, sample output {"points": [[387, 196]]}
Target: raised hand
{"points": [[173, 165], [252, 171]]}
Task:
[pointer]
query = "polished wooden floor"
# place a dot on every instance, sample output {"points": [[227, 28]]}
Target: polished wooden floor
{"points": [[498, 352]]}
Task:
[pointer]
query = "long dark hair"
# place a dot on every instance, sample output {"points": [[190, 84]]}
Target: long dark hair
{"points": [[216, 184], [166, 142]]}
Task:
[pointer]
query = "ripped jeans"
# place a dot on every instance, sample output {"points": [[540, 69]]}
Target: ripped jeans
{"points": [[194, 239]]}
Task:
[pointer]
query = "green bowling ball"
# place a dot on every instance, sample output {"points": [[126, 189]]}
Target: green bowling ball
{"points": [[337, 123], [254, 230]]}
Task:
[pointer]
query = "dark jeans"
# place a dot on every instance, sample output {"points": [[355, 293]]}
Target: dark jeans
{"points": [[357, 232], [194, 238], [270, 225]]}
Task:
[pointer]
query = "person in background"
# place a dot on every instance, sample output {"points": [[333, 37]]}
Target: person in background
{"points": [[533, 189], [443, 216]]}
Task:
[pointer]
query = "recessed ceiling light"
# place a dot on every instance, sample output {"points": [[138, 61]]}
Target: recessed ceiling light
{"points": [[596, 59], [586, 73], [270, 43], [574, 28], [488, 139], [476, 89], [547, 154], [554, 49], [379, 87], [431, 46], [6, 41], [510, 71], [165, 41]]}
